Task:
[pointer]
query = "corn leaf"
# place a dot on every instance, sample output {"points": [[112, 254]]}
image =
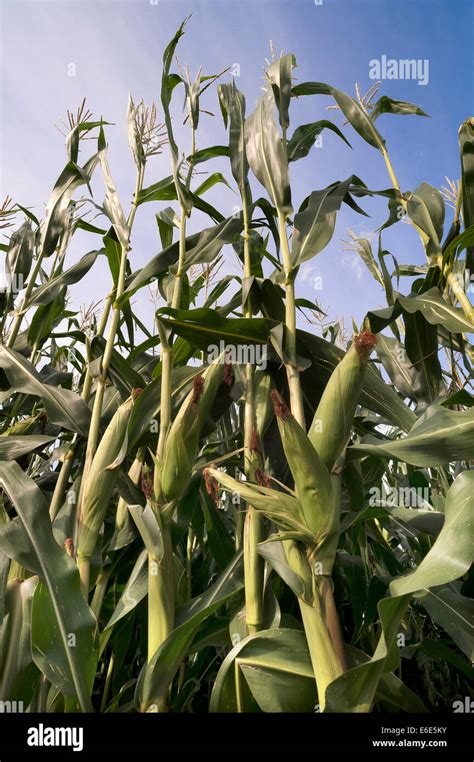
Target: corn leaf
{"points": [[450, 557], [266, 155], [439, 436], [63, 406], [62, 625], [159, 672]]}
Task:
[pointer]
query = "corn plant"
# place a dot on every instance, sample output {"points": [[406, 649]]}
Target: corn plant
{"points": [[183, 528]]}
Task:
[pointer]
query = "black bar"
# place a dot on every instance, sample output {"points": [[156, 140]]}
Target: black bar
{"points": [[427, 736]]}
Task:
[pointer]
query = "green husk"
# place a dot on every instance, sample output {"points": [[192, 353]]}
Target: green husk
{"points": [[100, 480], [312, 480], [263, 401], [281, 507], [177, 465], [22, 427], [182, 442], [331, 426]]}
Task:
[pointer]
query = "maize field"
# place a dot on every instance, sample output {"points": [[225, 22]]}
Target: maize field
{"points": [[219, 507]]}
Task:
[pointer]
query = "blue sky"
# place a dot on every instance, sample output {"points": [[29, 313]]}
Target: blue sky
{"points": [[116, 47]]}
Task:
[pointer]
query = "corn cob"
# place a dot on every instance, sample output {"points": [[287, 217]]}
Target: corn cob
{"points": [[177, 464], [16, 670], [100, 480], [312, 485], [331, 426], [263, 401], [182, 442], [24, 426]]}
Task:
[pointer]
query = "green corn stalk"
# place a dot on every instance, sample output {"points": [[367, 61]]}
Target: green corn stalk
{"points": [[232, 103], [172, 475], [329, 434], [287, 511], [319, 494]]}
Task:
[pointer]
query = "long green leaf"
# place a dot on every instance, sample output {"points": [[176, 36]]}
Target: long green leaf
{"points": [[63, 406], [450, 557], [305, 135], [13, 447], [63, 626], [439, 436]]}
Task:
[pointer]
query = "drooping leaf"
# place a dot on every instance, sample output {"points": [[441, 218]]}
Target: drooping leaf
{"points": [[358, 118], [431, 303], [71, 178], [279, 74], [271, 669], [422, 350], [453, 612], [314, 225], [364, 250], [200, 247], [425, 208], [204, 154], [305, 136], [46, 293], [134, 591], [386, 105], [210, 181], [168, 83], [204, 327], [63, 406], [46, 317], [13, 447], [62, 625], [112, 205], [19, 258], [439, 436], [232, 103]]}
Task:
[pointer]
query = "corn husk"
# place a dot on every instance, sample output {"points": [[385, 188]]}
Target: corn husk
{"points": [[25, 426], [281, 507], [263, 401], [312, 486], [182, 442], [101, 479], [333, 420]]}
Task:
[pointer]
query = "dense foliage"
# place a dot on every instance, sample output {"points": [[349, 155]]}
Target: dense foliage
{"points": [[218, 510]]}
